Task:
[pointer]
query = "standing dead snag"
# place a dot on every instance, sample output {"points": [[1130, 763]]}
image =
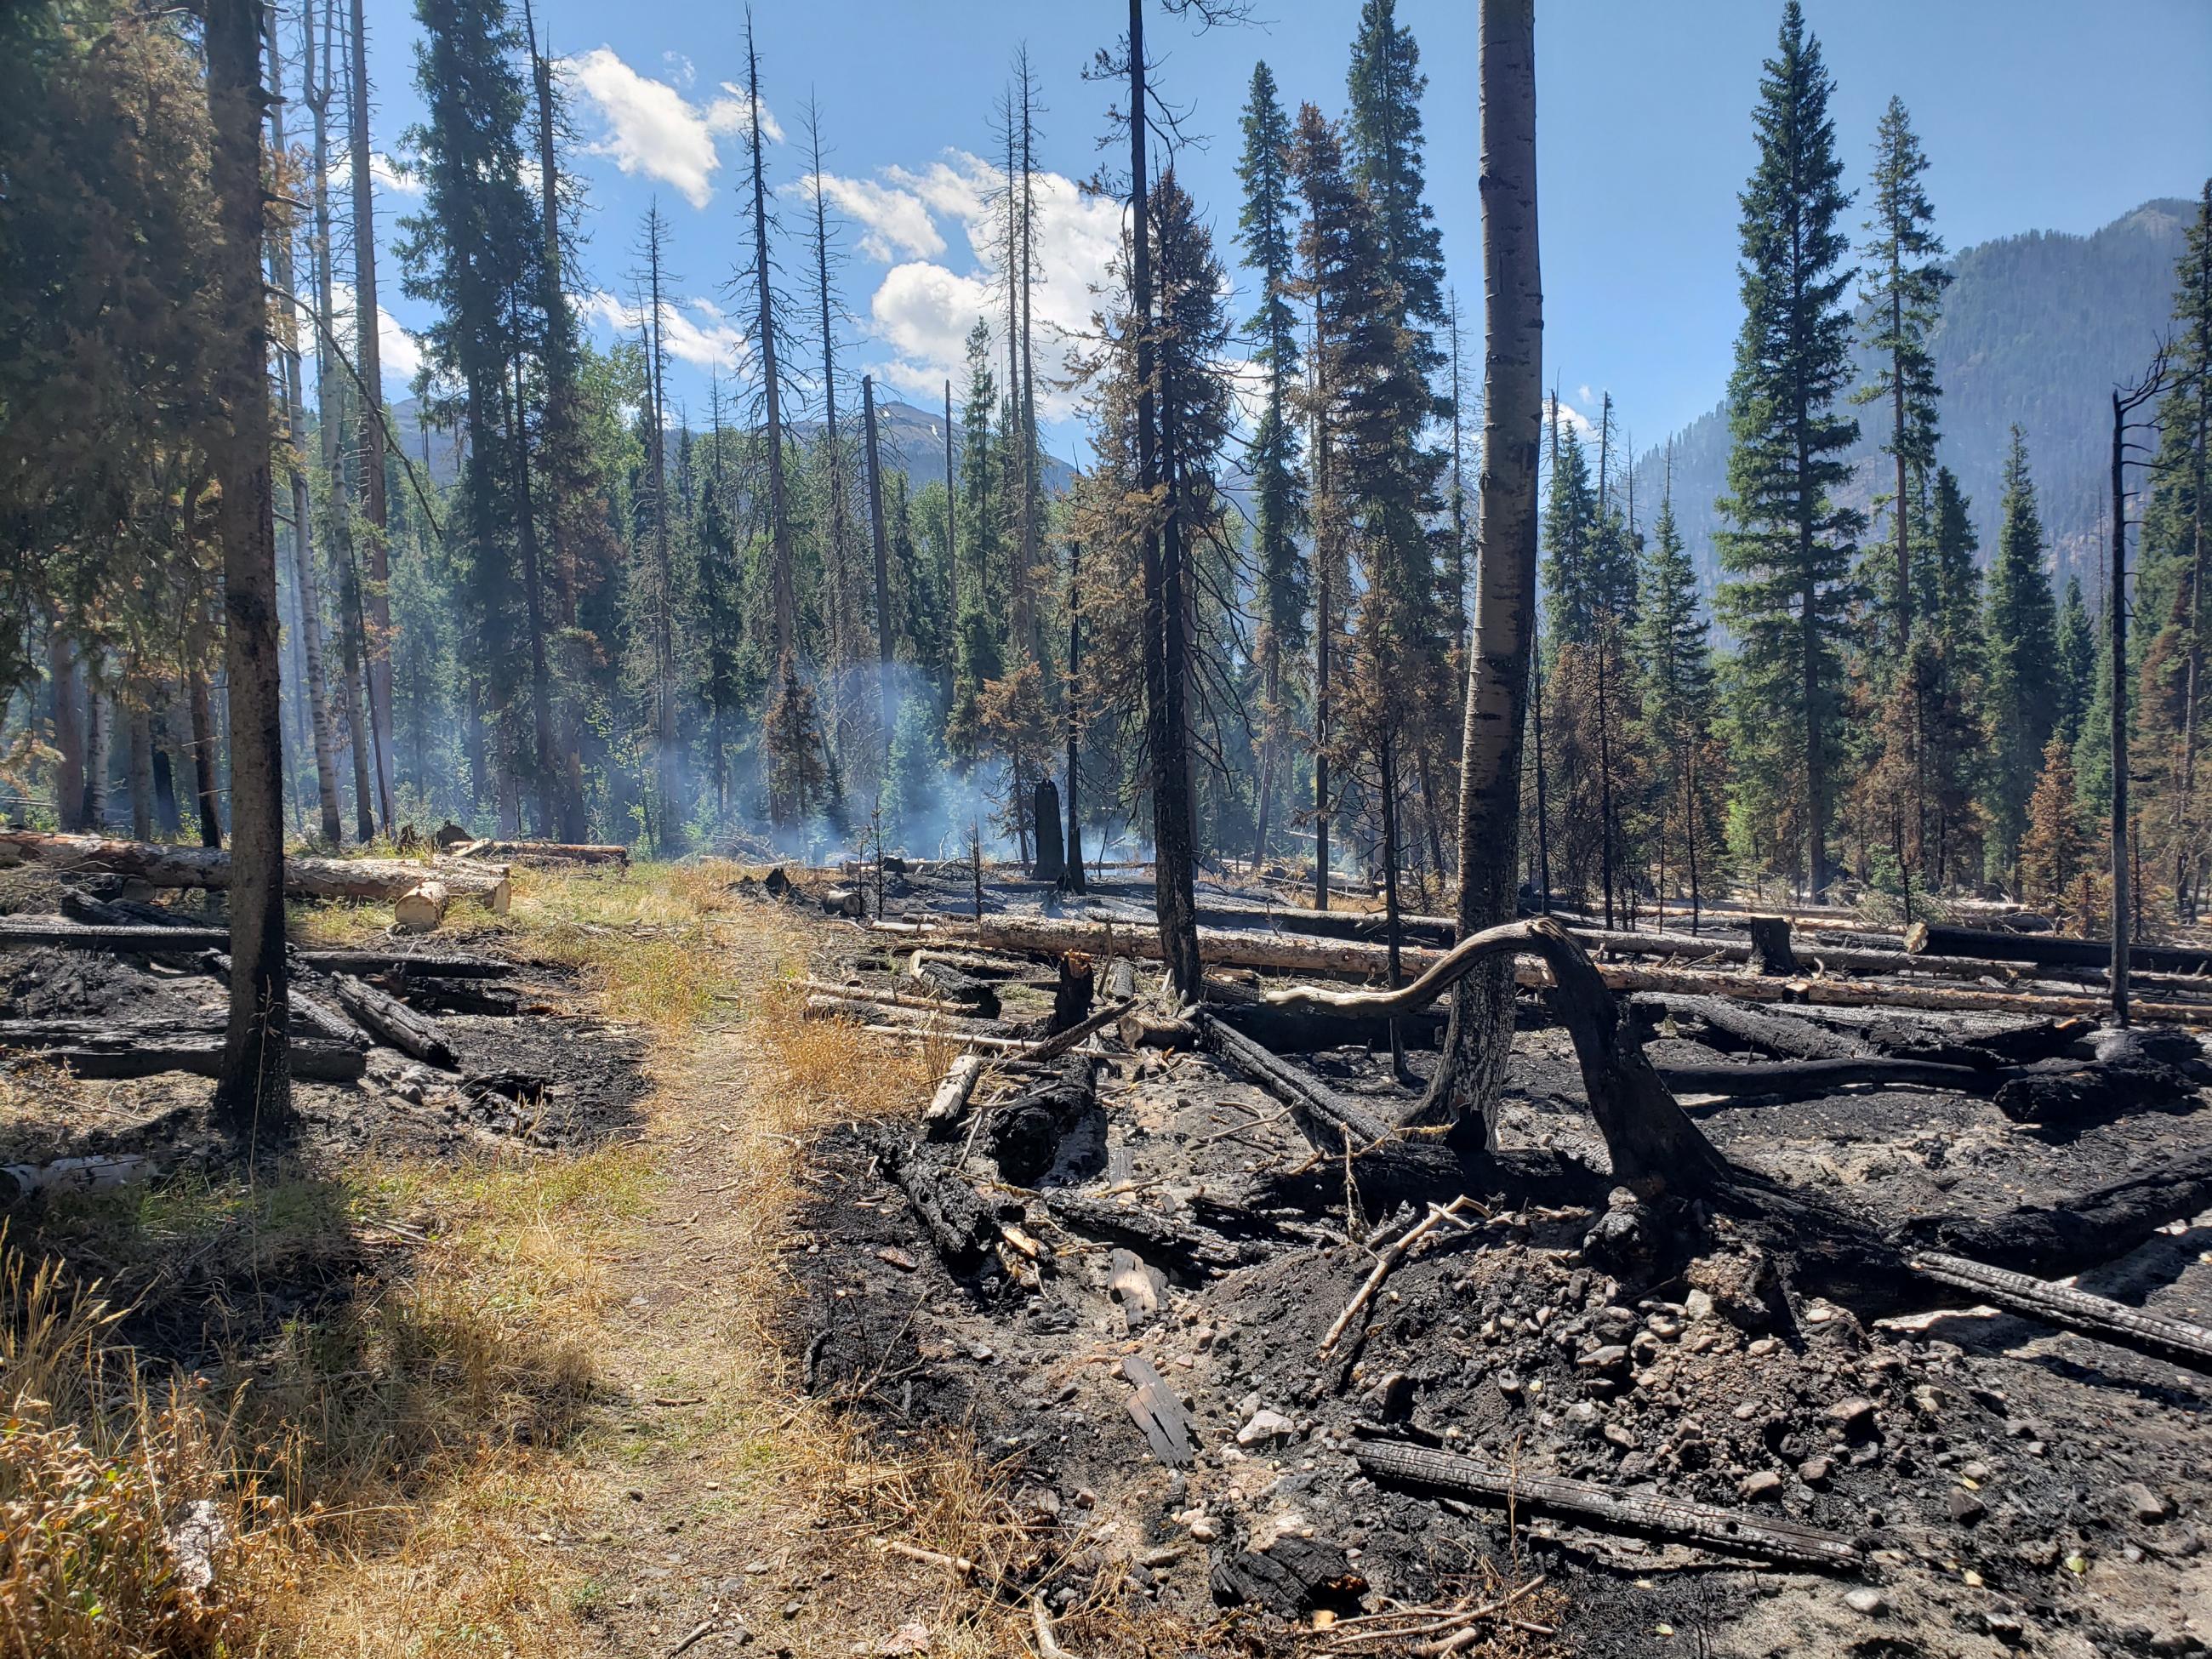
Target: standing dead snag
{"points": [[1482, 1029], [1650, 1138]]}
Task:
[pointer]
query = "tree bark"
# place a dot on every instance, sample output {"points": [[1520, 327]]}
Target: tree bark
{"points": [[1481, 1033], [303, 545], [378, 597], [253, 1092]]}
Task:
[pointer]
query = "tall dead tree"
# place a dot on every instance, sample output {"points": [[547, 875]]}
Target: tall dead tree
{"points": [[1481, 1031], [330, 403], [1071, 875], [668, 771], [789, 725], [844, 644], [886, 692], [2126, 400], [295, 462], [1166, 733], [253, 1089], [377, 595]]}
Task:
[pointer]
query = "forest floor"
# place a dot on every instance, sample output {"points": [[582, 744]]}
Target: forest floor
{"points": [[664, 1362]]}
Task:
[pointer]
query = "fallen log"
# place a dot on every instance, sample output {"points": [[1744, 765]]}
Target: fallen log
{"points": [[2074, 1231], [146, 940], [1646, 1514], [74, 1174], [1146, 1029], [550, 852], [2069, 1310], [1324, 1117], [162, 865], [365, 962], [844, 902], [454, 997], [1191, 1251], [111, 1050], [1052, 1046], [959, 1222], [1735, 1027], [2049, 950], [885, 999], [950, 1103], [1781, 1080], [2056, 1096], [395, 1024], [921, 1020], [1027, 1133], [1283, 953], [947, 983]]}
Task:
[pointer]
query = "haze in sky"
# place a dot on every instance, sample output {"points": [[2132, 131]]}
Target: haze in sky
{"points": [[2037, 114]]}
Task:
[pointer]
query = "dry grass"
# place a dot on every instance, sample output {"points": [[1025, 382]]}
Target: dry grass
{"points": [[130, 1526]]}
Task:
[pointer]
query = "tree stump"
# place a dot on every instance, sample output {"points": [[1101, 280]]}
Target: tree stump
{"points": [[1051, 843], [1769, 945]]}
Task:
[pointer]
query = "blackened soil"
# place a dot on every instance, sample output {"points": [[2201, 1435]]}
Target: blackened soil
{"points": [[2015, 1489]]}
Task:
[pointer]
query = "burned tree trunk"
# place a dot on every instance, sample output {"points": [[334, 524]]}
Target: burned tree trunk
{"points": [[254, 1092], [1465, 1087]]}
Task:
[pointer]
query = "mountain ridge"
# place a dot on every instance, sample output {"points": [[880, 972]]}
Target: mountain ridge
{"points": [[2037, 328]]}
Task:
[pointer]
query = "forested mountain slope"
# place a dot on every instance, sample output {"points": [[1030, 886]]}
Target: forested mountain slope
{"points": [[2036, 329]]}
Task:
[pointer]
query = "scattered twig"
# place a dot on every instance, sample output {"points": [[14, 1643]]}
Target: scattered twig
{"points": [[1390, 1257]]}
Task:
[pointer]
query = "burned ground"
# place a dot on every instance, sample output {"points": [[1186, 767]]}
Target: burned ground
{"points": [[2008, 1486]]}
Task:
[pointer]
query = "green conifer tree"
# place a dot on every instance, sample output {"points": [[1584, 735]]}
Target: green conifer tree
{"points": [[2021, 635], [1789, 552]]}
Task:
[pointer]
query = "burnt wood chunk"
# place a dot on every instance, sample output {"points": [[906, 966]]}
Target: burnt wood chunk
{"points": [[1731, 1531], [1158, 1413], [392, 1021], [1293, 1576]]}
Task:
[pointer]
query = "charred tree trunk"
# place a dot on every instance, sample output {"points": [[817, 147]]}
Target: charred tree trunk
{"points": [[886, 691], [206, 792], [254, 1092], [1481, 1028], [1071, 875]]}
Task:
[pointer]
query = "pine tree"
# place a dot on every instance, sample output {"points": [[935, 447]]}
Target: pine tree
{"points": [[1265, 231], [2054, 851], [1904, 289], [2022, 641], [980, 629], [1384, 90], [470, 252], [1572, 590], [1790, 550], [1673, 655], [2077, 663]]}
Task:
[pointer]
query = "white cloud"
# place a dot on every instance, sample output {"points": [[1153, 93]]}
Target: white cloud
{"points": [[732, 113], [653, 129], [398, 354], [386, 173], [893, 222], [923, 309], [389, 172], [923, 313], [693, 331]]}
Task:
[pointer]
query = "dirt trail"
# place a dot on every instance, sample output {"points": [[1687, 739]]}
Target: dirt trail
{"points": [[713, 1503]]}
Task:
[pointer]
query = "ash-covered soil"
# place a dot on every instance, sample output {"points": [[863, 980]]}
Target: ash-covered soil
{"points": [[2013, 1489]]}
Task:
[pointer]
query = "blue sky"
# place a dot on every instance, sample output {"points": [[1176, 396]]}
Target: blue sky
{"points": [[2037, 114]]}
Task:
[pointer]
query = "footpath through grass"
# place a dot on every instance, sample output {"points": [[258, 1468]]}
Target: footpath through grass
{"points": [[525, 1369]]}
